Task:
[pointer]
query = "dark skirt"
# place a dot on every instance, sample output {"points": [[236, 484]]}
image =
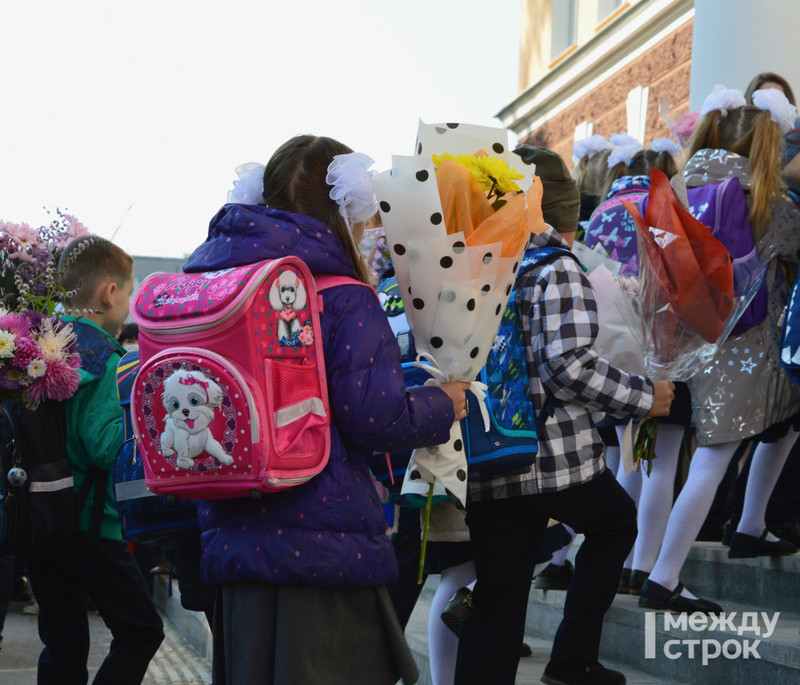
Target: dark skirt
{"points": [[778, 430], [308, 635]]}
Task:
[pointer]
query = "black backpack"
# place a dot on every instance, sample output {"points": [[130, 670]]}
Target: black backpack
{"points": [[39, 507]]}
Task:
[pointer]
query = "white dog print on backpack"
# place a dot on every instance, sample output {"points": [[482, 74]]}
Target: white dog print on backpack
{"points": [[288, 296], [191, 398]]}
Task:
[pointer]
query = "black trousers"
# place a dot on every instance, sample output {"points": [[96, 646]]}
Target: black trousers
{"points": [[506, 535], [105, 571]]}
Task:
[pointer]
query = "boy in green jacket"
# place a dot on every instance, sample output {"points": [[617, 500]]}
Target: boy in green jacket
{"points": [[95, 563]]}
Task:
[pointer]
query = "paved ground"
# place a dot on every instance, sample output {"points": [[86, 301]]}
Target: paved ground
{"points": [[175, 662]]}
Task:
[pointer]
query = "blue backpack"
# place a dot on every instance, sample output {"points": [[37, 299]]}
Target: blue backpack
{"points": [[510, 446], [390, 468], [790, 335], [145, 516]]}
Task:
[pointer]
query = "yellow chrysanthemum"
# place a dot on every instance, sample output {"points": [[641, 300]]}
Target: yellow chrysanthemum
{"points": [[494, 174]]}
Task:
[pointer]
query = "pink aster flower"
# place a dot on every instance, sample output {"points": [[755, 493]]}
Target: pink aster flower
{"points": [[26, 350], [59, 383], [18, 323]]}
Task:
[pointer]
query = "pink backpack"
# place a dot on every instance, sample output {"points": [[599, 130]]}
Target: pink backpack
{"points": [[231, 396]]}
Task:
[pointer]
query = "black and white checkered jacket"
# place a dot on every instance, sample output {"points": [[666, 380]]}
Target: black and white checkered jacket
{"points": [[559, 319]]}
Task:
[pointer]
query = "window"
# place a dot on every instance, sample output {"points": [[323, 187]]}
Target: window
{"points": [[636, 107], [565, 26], [606, 7]]}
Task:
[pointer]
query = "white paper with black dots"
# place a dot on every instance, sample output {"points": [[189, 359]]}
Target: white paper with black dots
{"points": [[454, 295], [467, 139]]}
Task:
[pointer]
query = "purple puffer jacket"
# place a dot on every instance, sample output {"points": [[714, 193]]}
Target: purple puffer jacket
{"points": [[329, 531]]}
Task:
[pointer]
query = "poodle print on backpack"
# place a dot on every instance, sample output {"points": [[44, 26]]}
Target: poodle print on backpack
{"points": [[287, 296], [191, 399]]}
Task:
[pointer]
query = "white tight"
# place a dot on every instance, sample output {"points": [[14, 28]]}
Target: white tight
{"points": [[442, 643], [708, 466], [764, 472], [655, 494]]}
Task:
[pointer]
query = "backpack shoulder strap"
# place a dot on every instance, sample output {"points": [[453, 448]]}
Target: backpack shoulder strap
{"points": [[325, 281], [127, 368], [544, 255]]}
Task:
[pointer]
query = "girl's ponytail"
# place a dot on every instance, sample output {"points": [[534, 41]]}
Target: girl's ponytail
{"points": [[765, 165], [705, 135]]}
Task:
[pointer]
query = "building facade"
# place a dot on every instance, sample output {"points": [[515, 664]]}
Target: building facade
{"points": [[606, 66]]}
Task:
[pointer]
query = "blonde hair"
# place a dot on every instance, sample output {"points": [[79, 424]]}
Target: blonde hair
{"points": [[640, 165], [590, 171], [749, 132]]}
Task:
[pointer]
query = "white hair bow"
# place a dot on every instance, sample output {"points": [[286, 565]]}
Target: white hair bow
{"points": [[781, 111], [248, 189], [625, 147], [723, 99], [665, 145], [352, 186], [589, 146]]}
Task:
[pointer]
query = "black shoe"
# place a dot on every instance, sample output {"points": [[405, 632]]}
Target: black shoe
{"points": [[786, 531], [624, 586], [636, 582], [748, 546], [655, 596], [457, 609], [19, 591], [526, 650], [554, 577], [728, 530], [569, 673]]}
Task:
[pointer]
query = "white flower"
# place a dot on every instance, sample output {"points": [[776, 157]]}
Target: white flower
{"points": [[36, 368], [7, 344], [53, 343]]}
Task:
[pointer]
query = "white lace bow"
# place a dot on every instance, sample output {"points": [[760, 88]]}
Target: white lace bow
{"points": [[351, 183], [248, 189]]}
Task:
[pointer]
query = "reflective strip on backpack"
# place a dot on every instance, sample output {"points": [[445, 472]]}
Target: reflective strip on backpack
{"points": [[52, 485], [287, 415], [132, 489]]}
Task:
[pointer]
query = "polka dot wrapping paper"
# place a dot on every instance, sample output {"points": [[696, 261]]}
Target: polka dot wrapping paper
{"points": [[454, 271]]}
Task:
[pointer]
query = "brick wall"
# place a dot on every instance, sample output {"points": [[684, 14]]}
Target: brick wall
{"points": [[665, 68]]}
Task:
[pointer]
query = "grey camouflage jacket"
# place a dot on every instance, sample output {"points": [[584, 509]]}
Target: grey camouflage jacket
{"points": [[744, 390]]}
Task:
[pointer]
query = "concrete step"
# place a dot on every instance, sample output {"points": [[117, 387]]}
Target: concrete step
{"points": [[769, 583], [742, 586], [530, 668], [638, 637]]}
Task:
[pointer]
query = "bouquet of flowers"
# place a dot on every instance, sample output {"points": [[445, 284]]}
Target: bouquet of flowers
{"points": [[686, 304], [682, 125], [38, 359], [457, 217]]}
